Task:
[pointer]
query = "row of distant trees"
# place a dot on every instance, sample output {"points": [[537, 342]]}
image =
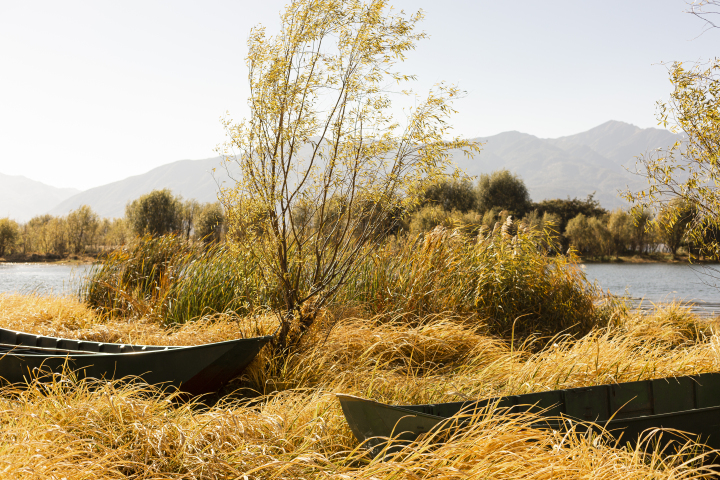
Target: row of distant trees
{"points": [[622, 232], [581, 223], [83, 231], [489, 201], [492, 199]]}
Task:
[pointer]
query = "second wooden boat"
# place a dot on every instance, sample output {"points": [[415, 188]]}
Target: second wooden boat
{"points": [[689, 404], [195, 369]]}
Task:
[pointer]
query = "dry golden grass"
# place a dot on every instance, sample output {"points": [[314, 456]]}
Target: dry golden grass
{"points": [[69, 318], [69, 430]]}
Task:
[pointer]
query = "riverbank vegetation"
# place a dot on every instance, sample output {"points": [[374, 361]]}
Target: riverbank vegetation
{"points": [[596, 234], [283, 421], [381, 276], [511, 277], [83, 236], [451, 316]]}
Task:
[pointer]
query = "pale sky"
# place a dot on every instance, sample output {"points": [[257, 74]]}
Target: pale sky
{"points": [[95, 91]]}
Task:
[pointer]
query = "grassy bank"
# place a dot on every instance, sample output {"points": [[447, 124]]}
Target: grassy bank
{"points": [[644, 258], [514, 283], [437, 318], [50, 258], [296, 430]]}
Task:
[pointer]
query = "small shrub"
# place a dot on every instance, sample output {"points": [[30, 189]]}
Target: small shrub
{"points": [[513, 281]]}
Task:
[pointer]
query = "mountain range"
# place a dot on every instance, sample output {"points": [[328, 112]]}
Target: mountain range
{"points": [[574, 166], [188, 178], [599, 160], [22, 198]]}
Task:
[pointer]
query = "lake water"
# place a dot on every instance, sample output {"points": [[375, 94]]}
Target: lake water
{"points": [[648, 283], [644, 283], [44, 279]]}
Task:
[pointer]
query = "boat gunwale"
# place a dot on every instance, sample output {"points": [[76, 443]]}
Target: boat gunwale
{"points": [[71, 352], [467, 411]]}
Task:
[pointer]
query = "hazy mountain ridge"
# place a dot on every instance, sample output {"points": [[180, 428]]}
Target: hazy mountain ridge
{"points": [[619, 141], [574, 165], [22, 198], [189, 178]]}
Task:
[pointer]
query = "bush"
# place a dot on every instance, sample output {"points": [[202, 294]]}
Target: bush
{"points": [[512, 281], [82, 228], [427, 218], [504, 191], [431, 216], [590, 236], [157, 213], [172, 281], [565, 210], [210, 225], [450, 195], [619, 225], [9, 234]]}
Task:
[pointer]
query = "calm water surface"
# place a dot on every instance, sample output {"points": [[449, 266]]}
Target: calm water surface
{"points": [[644, 283], [648, 283], [41, 278]]}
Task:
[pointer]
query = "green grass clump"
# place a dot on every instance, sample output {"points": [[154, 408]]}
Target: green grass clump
{"points": [[130, 280], [173, 281]]}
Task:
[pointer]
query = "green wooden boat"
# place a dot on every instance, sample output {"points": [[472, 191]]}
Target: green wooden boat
{"points": [[193, 369], [689, 404]]}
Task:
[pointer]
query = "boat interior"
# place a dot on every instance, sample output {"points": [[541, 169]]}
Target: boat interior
{"points": [[18, 343]]}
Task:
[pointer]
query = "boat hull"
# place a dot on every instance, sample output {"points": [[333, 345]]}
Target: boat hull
{"points": [[193, 369], [688, 404]]}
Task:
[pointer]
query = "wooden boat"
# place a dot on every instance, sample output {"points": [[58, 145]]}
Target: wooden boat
{"points": [[689, 404], [192, 369]]}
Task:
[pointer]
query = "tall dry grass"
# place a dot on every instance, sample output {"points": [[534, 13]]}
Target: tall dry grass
{"points": [[73, 429], [513, 283], [67, 317], [68, 431]]}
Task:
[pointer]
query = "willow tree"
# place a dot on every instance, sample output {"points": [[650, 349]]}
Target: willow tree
{"points": [[707, 10], [321, 163], [684, 179], [687, 174]]}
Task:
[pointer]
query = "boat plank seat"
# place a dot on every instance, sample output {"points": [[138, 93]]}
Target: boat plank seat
{"points": [[666, 398], [111, 348], [89, 346], [8, 337], [68, 344], [26, 339], [47, 342]]}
